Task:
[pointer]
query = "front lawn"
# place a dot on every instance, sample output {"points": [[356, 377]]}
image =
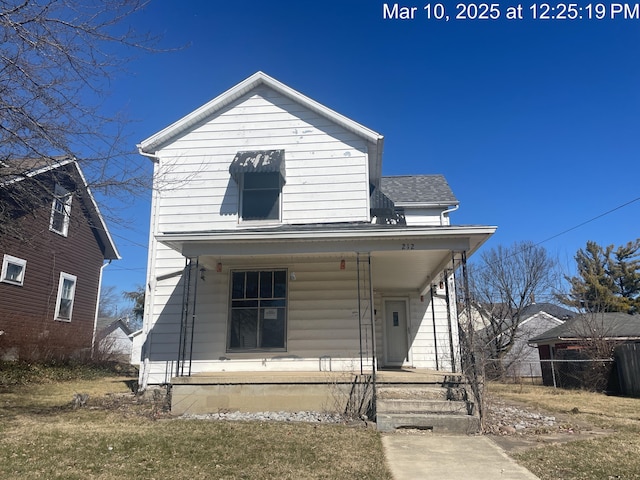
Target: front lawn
{"points": [[43, 437]]}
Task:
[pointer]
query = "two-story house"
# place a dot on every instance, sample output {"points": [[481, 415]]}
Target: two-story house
{"points": [[53, 247], [280, 254]]}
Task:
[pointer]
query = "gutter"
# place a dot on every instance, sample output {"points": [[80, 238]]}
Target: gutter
{"points": [[154, 158], [442, 214]]}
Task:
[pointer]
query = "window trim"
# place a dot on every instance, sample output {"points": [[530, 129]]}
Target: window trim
{"points": [[229, 349], [241, 200], [65, 276], [6, 261], [65, 198]]}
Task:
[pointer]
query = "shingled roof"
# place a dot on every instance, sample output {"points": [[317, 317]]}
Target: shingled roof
{"points": [[418, 189], [611, 325]]}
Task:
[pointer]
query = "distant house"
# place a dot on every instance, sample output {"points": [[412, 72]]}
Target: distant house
{"points": [[583, 337], [53, 249], [510, 336], [114, 339], [278, 247], [522, 360]]}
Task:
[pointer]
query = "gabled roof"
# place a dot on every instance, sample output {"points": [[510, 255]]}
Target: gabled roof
{"points": [[418, 190], [152, 144], [611, 325], [107, 325], [560, 313], [30, 168]]}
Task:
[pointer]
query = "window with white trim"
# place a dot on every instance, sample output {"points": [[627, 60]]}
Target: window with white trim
{"points": [[66, 294], [258, 316], [13, 269], [60, 211]]}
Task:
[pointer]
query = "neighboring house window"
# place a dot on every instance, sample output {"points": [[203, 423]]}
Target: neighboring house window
{"points": [[13, 269], [66, 293], [258, 310], [261, 196], [60, 211]]}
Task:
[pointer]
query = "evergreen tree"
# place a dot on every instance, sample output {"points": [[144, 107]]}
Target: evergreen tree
{"points": [[608, 279]]}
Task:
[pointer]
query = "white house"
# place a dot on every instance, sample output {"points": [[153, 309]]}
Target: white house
{"points": [[278, 246]]}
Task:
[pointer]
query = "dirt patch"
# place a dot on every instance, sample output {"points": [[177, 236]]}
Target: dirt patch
{"points": [[517, 427]]}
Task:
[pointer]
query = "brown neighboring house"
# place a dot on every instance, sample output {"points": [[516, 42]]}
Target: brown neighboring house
{"points": [[569, 349], [53, 246]]}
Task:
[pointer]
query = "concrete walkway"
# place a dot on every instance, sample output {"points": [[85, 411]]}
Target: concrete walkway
{"points": [[423, 456]]}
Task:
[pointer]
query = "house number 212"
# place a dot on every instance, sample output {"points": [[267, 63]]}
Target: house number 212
{"points": [[408, 246]]}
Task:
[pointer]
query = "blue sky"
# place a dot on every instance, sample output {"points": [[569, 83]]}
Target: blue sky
{"points": [[534, 123]]}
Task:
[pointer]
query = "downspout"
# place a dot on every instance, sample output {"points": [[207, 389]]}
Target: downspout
{"points": [[443, 213], [95, 317], [143, 377]]}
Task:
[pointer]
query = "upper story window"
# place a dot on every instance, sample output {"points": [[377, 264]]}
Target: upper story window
{"points": [[60, 211], [260, 177], [13, 269], [260, 197], [66, 295]]}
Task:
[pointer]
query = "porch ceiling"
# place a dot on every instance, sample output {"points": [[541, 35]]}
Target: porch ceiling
{"points": [[409, 270], [401, 258]]}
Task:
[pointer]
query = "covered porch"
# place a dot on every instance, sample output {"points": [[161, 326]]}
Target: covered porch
{"points": [[310, 319], [356, 299]]}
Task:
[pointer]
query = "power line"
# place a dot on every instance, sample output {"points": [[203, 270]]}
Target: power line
{"points": [[588, 221]]}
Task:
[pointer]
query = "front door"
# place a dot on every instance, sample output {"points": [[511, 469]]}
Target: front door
{"points": [[396, 332]]}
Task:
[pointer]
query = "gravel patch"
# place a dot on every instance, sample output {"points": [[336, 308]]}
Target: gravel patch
{"points": [[309, 417]]}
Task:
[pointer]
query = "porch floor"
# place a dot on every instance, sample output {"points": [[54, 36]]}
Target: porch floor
{"points": [[293, 391], [396, 375]]}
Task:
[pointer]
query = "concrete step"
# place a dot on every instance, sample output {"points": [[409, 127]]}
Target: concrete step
{"points": [[420, 392], [456, 424], [443, 407]]}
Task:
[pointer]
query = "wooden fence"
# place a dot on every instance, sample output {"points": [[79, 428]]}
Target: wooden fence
{"points": [[627, 358]]}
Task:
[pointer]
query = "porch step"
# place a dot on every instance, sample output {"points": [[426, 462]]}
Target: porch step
{"points": [[457, 424], [443, 407], [421, 392]]}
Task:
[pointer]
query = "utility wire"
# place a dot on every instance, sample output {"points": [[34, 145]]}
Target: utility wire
{"points": [[588, 221]]}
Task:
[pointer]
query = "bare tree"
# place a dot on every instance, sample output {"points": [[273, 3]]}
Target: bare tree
{"points": [[108, 306], [57, 59], [501, 285]]}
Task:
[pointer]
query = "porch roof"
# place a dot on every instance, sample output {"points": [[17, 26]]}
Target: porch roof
{"points": [[403, 258]]}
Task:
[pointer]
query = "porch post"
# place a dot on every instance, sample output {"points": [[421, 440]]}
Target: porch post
{"points": [[433, 318], [186, 274], [359, 311], [193, 312], [446, 294], [185, 334]]}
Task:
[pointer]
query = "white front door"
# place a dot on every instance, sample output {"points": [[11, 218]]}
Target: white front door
{"points": [[395, 316]]}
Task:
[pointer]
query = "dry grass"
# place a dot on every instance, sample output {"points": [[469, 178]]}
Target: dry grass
{"points": [[42, 436], [616, 456]]}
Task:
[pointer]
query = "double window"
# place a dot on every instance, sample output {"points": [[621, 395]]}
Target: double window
{"points": [[66, 294], [258, 316], [13, 269], [60, 211]]}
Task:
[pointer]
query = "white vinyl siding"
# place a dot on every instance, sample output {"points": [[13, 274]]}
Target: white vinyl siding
{"points": [[326, 166], [322, 320]]}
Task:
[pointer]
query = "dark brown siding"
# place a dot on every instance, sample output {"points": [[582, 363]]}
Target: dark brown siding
{"points": [[27, 311]]}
